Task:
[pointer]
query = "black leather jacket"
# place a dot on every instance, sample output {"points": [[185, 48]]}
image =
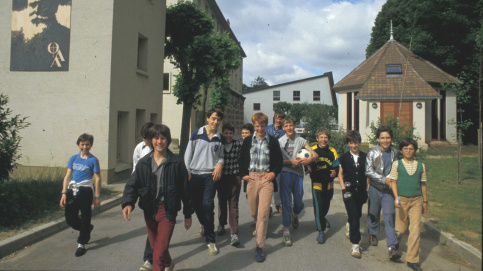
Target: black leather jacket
{"points": [[143, 185]]}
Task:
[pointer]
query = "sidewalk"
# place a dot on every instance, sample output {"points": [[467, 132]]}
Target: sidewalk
{"points": [[13, 244]]}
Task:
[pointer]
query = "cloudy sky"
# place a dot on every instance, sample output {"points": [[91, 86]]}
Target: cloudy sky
{"points": [[287, 40]]}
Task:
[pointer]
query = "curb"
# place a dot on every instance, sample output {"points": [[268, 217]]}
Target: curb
{"points": [[20, 241], [466, 251]]}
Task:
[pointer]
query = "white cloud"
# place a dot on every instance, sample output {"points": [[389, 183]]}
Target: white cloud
{"points": [[291, 40]]}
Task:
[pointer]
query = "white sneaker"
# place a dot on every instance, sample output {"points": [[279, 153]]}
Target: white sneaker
{"points": [[201, 231], [170, 267], [347, 230], [212, 249], [356, 251], [147, 266], [254, 233]]}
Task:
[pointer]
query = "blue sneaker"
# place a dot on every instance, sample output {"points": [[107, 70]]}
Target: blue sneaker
{"points": [[321, 237], [259, 256]]}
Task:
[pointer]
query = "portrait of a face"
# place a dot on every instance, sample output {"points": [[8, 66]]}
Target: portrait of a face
{"points": [[40, 35]]}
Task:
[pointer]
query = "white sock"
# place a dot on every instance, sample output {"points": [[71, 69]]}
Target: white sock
{"points": [[81, 245]]}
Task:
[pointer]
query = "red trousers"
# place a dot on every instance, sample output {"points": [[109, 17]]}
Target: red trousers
{"points": [[159, 234]]}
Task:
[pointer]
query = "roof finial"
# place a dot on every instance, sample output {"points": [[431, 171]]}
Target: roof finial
{"points": [[391, 38]]}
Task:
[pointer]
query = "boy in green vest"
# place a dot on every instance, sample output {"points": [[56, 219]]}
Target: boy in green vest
{"points": [[408, 183]]}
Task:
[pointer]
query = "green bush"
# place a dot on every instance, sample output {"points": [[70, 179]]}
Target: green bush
{"points": [[337, 141], [24, 200]]}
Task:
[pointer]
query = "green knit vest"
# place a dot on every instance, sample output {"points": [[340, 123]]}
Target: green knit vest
{"points": [[409, 185]]}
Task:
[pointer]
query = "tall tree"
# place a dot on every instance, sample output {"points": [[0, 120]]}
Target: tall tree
{"points": [[259, 82], [441, 31], [198, 53]]}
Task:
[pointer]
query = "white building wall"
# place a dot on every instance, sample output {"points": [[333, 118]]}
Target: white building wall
{"points": [[419, 123], [102, 80], [451, 111], [62, 105], [306, 88]]}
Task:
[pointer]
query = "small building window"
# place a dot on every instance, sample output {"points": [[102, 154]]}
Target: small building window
{"points": [[142, 52], [256, 106], [393, 69], [166, 82], [316, 95], [296, 95], [276, 95]]}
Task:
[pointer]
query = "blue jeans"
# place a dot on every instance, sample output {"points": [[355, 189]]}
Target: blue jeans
{"points": [[202, 189], [291, 184], [382, 199]]}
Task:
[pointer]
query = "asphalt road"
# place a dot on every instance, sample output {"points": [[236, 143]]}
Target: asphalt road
{"points": [[118, 245]]}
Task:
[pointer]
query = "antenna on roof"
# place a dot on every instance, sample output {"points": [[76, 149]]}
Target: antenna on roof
{"points": [[392, 37]]}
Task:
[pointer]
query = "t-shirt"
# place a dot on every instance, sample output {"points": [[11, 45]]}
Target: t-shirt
{"points": [[83, 169], [289, 146], [386, 157]]}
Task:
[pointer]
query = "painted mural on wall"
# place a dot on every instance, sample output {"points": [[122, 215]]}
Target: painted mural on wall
{"points": [[40, 35]]}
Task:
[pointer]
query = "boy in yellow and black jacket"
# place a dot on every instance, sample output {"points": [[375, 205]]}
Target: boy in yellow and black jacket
{"points": [[324, 170]]}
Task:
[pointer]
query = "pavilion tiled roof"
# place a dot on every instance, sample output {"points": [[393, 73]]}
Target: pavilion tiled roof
{"points": [[370, 79]]}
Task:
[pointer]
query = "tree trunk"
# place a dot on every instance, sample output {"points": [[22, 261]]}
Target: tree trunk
{"points": [[459, 159], [185, 129]]}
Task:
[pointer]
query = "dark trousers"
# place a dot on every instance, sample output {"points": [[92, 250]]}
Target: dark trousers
{"points": [[353, 207], [159, 233], [291, 184], [148, 251], [81, 202], [228, 188], [321, 200], [203, 189]]}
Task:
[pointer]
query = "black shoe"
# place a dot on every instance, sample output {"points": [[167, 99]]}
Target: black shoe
{"points": [[259, 255], [327, 224], [373, 240], [221, 230], [414, 266], [80, 251], [393, 254]]}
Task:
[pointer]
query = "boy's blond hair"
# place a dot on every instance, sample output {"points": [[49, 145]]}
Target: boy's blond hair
{"points": [[323, 131], [288, 120]]}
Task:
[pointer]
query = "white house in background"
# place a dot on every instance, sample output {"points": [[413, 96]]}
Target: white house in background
{"points": [[102, 77], [394, 81], [314, 90], [172, 112]]}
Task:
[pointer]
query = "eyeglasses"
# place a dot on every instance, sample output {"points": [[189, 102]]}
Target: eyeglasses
{"points": [[407, 149]]}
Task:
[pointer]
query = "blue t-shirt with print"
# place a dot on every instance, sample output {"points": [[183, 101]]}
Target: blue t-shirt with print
{"points": [[83, 169]]}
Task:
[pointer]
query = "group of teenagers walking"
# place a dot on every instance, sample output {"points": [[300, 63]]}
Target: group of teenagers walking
{"points": [[266, 160]]}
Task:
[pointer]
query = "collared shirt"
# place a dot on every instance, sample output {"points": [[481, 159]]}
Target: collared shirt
{"points": [[260, 154], [158, 171], [277, 133]]}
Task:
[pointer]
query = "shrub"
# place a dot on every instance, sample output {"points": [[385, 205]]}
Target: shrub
{"points": [[9, 137], [337, 141], [28, 199]]}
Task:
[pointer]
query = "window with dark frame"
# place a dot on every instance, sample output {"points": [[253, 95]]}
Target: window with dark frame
{"points": [[256, 106], [393, 69], [276, 95], [316, 95], [296, 95]]}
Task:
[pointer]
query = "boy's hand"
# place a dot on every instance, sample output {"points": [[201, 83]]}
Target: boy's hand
{"points": [[305, 161], [332, 173], [97, 203], [396, 204], [217, 172], [425, 208], [62, 200], [187, 223], [247, 178], [270, 176], [126, 212], [295, 162]]}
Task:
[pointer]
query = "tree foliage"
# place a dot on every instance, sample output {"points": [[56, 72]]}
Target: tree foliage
{"points": [[312, 116], [442, 31], [400, 132], [202, 57], [9, 137], [259, 82]]}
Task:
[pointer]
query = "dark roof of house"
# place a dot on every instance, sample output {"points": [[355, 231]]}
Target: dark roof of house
{"points": [[417, 79]]}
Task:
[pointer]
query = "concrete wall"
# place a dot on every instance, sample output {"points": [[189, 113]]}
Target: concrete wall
{"points": [[135, 91], [62, 105], [102, 80], [451, 115], [306, 88]]}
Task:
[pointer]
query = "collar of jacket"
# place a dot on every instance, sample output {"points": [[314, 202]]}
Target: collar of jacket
{"points": [[148, 158]]}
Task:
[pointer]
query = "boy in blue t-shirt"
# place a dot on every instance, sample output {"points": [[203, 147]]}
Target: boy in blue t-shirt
{"points": [[77, 191]]}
